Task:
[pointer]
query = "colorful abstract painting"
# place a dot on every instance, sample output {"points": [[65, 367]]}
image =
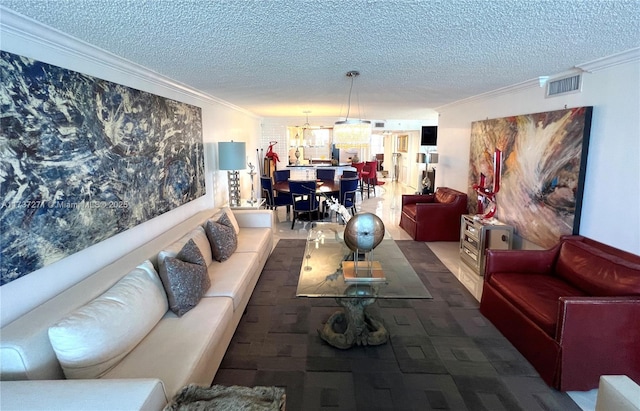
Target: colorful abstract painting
{"points": [[543, 169], [82, 159]]}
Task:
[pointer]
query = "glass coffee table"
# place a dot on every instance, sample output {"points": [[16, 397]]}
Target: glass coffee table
{"points": [[322, 276]]}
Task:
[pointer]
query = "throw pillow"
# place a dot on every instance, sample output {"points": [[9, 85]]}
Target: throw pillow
{"points": [[222, 237], [91, 340], [183, 283], [198, 236], [190, 253], [232, 219], [230, 215]]}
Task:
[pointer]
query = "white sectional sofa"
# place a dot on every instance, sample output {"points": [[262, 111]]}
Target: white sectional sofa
{"points": [[175, 352], [617, 393]]}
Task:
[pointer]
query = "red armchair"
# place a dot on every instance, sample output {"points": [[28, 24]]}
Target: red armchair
{"points": [[433, 217], [573, 311]]}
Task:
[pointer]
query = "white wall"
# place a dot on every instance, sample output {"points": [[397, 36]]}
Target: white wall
{"points": [[221, 122], [611, 201]]}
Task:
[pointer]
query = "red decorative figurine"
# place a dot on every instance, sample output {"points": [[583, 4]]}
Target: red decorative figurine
{"points": [[272, 155], [485, 193]]}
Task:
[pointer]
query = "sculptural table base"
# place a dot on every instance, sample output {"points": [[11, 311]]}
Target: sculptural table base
{"points": [[354, 326]]}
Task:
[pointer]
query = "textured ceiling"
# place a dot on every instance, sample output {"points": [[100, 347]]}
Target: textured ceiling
{"points": [[280, 58]]}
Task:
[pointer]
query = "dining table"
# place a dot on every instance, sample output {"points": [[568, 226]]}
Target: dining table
{"points": [[326, 187]]}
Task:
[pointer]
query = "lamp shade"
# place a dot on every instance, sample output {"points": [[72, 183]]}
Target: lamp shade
{"points": [[421, 158], [351, 133], [232, 155], [433, 158]]}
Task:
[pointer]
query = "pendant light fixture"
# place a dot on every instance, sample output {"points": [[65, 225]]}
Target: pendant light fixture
{"points": [[307, 134], [351, 133]]}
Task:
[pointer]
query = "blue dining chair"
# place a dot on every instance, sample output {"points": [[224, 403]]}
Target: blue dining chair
{"points": [[281, 175], [325, 173], [348, 189], [272, 201], [303, 196], [349, 174]]}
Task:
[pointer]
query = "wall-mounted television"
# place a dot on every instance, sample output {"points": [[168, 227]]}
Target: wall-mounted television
{"points": [[429, 136]]}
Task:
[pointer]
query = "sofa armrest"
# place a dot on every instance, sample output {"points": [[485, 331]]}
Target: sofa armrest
{"points": [[254, 218], [417, 198], [598, 336], [618, 392], [520, 261], [99, 394]]}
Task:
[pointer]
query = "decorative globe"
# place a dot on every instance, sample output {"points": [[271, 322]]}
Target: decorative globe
{"points": [[364, 232]]}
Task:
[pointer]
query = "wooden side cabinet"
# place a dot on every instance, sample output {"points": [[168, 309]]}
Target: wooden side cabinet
{"points": [[477, 235]]}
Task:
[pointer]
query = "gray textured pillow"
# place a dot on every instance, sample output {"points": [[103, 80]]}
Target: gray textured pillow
{"points": [[191, 253], [183, 283], [222, 237]]}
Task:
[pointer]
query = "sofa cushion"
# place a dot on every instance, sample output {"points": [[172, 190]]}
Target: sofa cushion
{"points": [[253, 240], [233, 220], [596, 272], [234, 277], [536, 295], [94, 338], [445, 196], [198, 236], [181, 350], [222, 237]]}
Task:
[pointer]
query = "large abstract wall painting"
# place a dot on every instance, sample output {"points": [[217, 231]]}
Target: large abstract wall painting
{"points": [[544, 159], [82, 159]]}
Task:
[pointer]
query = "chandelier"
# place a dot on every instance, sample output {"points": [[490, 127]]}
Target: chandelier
{"points": [[351, 133]]}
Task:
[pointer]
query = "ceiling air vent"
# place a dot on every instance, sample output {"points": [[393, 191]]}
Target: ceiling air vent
{"points": [[564, 85], [378, 125]]}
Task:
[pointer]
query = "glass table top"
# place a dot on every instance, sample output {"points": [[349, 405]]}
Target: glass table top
{"points": [[322, 275]]}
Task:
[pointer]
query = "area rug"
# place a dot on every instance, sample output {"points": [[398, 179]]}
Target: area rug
{"points": [[234, 398], [442, 353]]}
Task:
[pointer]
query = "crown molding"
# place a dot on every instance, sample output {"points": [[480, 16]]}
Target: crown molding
{"points": [[497, 92], [589, 67], [18, 27], [610, 61]]}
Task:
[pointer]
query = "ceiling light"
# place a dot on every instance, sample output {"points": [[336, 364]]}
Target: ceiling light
{"points": [[306, 125], [351, 133], [306, 128]]}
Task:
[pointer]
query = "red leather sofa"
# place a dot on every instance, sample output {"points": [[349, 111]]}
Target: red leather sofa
{"points": [[433, 217], [573, 311]]}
